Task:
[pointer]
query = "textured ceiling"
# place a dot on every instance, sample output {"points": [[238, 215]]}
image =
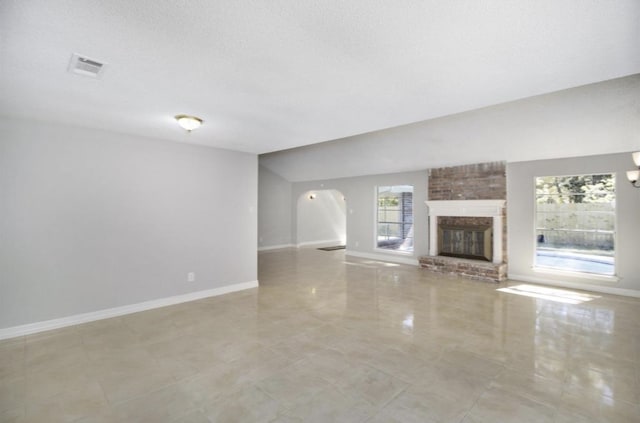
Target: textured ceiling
{"points": [[276, 74]]}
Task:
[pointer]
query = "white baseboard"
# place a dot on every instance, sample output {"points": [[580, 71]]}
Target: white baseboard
{"points": [[32, 328], [276, 247], [324, 243], [576, 285], [384, 257]]}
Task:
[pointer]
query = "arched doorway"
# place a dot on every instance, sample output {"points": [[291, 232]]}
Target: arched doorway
{"points": [[321, 218]]}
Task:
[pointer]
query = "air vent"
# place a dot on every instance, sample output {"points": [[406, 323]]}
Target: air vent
{"points": [[83, 65]]}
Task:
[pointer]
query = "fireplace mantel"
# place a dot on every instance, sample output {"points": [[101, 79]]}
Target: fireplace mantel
{"points": [[470, 208], [467, 208]]}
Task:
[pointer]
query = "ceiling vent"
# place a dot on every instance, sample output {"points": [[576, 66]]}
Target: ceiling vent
{"points": [[83, 65]]}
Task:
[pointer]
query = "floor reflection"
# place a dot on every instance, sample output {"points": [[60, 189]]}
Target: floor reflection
{"points": [[547, 293], [540, 344], [332, 338]]}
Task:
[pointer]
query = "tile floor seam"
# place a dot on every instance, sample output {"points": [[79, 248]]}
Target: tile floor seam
{"points": [[472, 340], [287, 409], [138, 396]]}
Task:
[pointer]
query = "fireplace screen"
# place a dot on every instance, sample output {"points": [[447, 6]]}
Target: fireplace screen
{"points": [[465, 242]]}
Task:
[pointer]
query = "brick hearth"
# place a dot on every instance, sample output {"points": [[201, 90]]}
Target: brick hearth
{"points": [[474, 269]]}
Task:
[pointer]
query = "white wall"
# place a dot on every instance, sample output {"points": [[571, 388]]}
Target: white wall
{"points": [[91, 220], [361, 205], [274, 211], [521, 208], [321, 219]]}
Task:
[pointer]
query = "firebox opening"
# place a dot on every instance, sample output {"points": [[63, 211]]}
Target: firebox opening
{"points": [[470, 242]]}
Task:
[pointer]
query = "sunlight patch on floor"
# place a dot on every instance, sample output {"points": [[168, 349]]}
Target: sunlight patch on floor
{"points": [[552, 294]]}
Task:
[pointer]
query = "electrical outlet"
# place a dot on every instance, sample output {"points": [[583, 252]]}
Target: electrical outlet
{"points": [[191, 277]]}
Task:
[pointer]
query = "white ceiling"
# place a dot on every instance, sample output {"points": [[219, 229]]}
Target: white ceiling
{"points": [[599, 118], [267, 75]]}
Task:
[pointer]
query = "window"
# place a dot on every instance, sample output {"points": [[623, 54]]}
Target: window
{"points": [[395, 218], [575, 223]]}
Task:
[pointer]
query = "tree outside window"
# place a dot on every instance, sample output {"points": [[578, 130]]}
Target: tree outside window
{"points": [[575, 223]]}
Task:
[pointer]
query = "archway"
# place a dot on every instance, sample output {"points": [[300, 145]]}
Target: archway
{"points": [[321, 218]]}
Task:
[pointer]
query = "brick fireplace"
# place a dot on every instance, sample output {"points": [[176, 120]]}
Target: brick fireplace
{"points": [[465, 237], [467, 221]]}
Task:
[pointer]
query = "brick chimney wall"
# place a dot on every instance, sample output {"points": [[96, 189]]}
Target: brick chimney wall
{"points": [[482, 181]]}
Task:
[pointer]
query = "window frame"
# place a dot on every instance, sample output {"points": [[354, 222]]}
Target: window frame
{"points": [[572, 272], [376, 222]]}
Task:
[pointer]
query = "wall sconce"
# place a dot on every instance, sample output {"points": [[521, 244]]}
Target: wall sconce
{"points": [[188, 123], [312, 196], [634, 175]]}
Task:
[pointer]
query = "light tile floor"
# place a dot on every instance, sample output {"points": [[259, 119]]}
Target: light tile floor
{"points": [[329, 339]]}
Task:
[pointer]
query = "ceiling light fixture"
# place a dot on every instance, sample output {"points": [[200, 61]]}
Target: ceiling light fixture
{"points": [[634, 175], [189, 123]]}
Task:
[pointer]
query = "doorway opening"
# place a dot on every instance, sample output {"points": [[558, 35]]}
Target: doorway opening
{"points": [[321, 219]]}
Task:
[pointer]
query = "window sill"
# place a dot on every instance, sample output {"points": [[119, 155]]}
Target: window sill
{"points": [[577, 275]]}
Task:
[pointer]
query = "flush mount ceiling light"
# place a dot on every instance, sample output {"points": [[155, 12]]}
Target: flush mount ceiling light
{"points": [[189, 123]]}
